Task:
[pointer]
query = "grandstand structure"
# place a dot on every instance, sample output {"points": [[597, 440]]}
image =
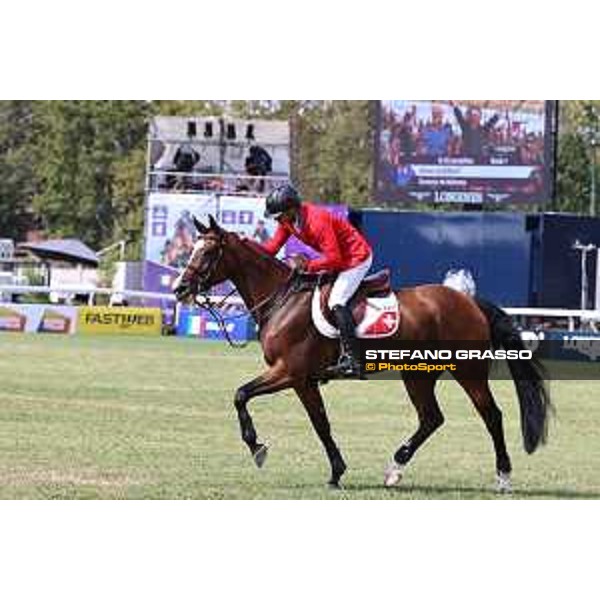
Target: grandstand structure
{"points": [[216, 154], [200, 166]]}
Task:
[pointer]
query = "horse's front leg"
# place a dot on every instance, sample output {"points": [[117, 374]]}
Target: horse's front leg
{"points": [[312, 401], [274, 380]]}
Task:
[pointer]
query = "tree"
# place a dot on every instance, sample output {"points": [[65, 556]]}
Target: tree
{"points": [[578, 126], [573, 181], [128, 201], [17, 162], [188, 108], [333, 154], [81, 146]]}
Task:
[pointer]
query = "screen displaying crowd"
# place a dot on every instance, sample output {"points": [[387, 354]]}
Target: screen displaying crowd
{"points": [[464, 151]]}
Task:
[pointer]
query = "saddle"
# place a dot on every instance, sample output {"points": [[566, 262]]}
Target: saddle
{"points": [[374, 306], [377, 284]]}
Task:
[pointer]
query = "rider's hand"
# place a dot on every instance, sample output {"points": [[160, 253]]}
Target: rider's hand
{"points": [[298, 262]]}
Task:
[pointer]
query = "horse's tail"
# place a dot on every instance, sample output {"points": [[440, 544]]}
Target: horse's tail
{"points": [[529, 377]]}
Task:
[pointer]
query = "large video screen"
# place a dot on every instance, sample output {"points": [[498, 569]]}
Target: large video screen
{"points": [[465, 151]]}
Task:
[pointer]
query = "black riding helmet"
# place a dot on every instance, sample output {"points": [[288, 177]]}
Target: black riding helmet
{"points": [[281, 199]]}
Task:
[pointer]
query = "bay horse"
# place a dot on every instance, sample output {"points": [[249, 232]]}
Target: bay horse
{"points": [[295, 352]]}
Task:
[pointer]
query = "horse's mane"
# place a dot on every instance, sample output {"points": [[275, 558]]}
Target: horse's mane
{"points": [[261, 253]]}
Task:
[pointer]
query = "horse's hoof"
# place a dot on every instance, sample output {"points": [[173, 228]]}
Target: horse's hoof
{"points": [[393, 474], [335, 485], [503, 483], [260, 456]]}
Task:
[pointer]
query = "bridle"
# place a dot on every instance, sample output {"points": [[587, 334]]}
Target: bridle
{"points": [[201, 300], [202, 279], [200, 284]]}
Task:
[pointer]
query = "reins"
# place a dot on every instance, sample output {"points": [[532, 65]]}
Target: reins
{"points": [[277, 298], [213, 308]]}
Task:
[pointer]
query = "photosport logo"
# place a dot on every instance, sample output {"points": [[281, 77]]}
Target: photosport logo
{"points": [[391, 359], [422, 367]]}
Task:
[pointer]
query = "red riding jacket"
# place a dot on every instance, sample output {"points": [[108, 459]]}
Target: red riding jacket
{"points": [[341, 245]]}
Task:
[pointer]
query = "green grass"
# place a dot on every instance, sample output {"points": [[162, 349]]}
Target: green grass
{"points": [[110, 417]]}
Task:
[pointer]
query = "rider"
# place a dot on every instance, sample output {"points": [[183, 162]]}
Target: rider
{"points": [[343, 249]]}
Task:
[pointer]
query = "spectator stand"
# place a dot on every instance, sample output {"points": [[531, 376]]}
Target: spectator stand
{"points": [[200, 166], [216, 154]]}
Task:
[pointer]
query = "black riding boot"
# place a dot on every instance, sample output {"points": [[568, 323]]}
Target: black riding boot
{"points": [[349, 362]]}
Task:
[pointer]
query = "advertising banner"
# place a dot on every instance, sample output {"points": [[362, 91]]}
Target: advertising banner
{"points": [[465, 151], [195, 322], [131, 321], [170, 231], [583, 346], [38, 318]]}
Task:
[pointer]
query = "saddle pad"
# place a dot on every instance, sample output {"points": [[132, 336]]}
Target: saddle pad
{"points": [[381, 317]]}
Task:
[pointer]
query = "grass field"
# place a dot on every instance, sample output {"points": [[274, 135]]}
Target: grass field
{"points": [[116, 417]]}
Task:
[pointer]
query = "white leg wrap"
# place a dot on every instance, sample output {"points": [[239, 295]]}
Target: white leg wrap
{"points": [[503, 483], [392, 474]]}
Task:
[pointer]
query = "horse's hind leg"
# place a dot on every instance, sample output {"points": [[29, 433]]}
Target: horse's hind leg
{"points": [[481, 395], [421, 393], [312, 401]]}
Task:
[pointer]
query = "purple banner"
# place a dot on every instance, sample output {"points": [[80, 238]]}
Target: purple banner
{"points": [[170, 234]]}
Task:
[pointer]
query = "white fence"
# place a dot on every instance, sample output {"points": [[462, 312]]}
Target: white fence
{"points": [[69, 292], [585, 318]]}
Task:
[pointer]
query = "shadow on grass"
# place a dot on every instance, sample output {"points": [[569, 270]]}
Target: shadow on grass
{"points": [[431, 491]]}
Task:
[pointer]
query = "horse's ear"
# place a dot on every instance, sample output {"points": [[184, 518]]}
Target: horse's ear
{"points": [[212, 224], [202, 229]]}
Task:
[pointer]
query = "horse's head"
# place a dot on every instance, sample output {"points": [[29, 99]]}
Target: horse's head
{"points": [[205, 267]]}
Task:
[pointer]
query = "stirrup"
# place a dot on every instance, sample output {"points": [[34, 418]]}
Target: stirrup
{"points": [[347, 367]]}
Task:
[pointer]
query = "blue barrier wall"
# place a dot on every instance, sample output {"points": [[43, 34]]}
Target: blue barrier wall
{"points": [[556, 266], [422, 247], [567, 345]]}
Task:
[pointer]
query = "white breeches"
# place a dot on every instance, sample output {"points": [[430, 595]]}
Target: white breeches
{"points": [[347, 283]]}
